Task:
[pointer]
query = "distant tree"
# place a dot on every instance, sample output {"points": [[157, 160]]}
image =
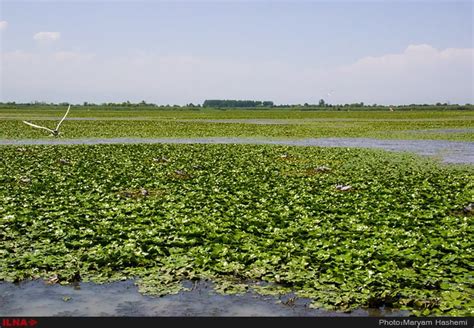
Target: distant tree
{"points": [[268, 104], [229, 103], [322, 103]]}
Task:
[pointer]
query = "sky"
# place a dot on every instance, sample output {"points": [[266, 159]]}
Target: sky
{"points": [[290, 52]]}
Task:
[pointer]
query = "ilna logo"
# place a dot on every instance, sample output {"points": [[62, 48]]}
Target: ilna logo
{"points": [[18, 322]]}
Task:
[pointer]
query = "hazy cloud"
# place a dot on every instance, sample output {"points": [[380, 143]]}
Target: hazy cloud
{"points": [[3, 25], [419, 74], [47, 36], [71, 56]]}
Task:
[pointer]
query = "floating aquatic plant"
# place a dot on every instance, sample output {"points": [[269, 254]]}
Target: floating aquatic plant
{"points": [[244, 217]]}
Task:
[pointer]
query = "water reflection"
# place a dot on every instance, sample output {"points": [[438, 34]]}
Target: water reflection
{"points": [[35, 298]]}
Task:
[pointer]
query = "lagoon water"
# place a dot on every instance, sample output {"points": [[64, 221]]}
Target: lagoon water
{"points": [[36, 298], [446, 151]]}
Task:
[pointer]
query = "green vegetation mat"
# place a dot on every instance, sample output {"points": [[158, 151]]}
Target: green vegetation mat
{"points": [[267, 218], [291, 124]]}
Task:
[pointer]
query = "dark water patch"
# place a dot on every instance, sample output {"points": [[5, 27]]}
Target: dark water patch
{"points": [[258, 121], [467, 130], [309, 120], [446, 151], [35, 298], [263, 121]]}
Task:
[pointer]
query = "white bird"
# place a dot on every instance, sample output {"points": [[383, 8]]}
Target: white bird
{"points": [[54, 132], [343, 187]]}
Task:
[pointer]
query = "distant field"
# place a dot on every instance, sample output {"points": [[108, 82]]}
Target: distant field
{"points": [[141, 123], [104, 112]]}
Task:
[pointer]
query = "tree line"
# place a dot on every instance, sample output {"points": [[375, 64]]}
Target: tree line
{"points": [[218, 103], [247, 104]]}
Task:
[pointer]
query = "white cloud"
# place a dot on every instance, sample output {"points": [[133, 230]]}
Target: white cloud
{"points": [[47, 36], [17, 56], [419, 74], [71, 56], [3, 25], [414, 56]]}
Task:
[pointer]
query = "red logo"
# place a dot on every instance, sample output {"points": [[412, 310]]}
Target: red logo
{"points": [[18, 322]]}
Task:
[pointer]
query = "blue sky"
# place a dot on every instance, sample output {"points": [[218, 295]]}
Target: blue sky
{"points": [[391, 52]]}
